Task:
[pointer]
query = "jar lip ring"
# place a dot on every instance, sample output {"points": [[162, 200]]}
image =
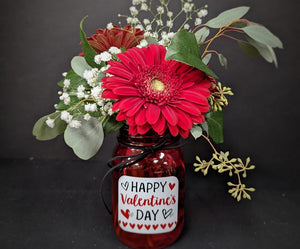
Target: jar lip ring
{"points": [[151, 137]]}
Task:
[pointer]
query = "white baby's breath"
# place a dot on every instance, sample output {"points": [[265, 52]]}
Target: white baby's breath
{"points": [[75, 123], [50, 122], [66, 116]]}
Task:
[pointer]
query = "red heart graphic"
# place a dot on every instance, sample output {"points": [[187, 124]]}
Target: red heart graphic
{"points": [[125, 213], [124, 223], [147, 227], [119, 222], [132, 225], [139, 226], [175, 222], [171, 185], [155, 226], [170, 224], [163, 226]]}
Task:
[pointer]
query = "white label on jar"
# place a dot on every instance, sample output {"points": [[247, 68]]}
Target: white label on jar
{"points": [[148, 205]]}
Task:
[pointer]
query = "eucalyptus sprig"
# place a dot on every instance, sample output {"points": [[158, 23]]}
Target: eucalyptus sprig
{"points": [[221, 162]]}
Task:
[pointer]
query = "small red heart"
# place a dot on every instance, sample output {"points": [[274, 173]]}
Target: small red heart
{"points": [[125, 213], [155, 226], [170, 224], [139, 226], [147, 227], [124, 223], [171, 185], [132, 225], [119, 222], [175, 222], [163, 226]]}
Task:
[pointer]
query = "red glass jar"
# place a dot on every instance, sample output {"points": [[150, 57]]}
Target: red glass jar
{"points": [[148, 196]]}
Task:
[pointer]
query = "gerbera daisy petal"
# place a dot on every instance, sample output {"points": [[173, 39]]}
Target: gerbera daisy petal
{"points": [[108, 94], [184, 133], [152, 113], [143, 129], [185, 121], [160, 126], [170, 115], [193, 96], [133, 110], [173, 130], [140, 117], [126, 91], [188, 107], [121, 116]]}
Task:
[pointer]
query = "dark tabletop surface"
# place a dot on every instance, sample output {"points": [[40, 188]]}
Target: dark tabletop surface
{"points": [[47, 204]]}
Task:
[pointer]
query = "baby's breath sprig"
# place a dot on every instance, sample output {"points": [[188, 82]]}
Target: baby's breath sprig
{"points": [[217, 99], [234, 166], [161, 18]]}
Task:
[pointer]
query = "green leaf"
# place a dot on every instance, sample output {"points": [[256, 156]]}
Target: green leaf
{"points": [[204, 126], [76, 80], [261, 34], [214, 121], [222, 60], [265, 51], [206, 59], [79, 65], [151, 40], [202, 34], [248, 49], [85, 140], [227, 17], [61, 83], [196, 131], [110, 124], [184, 48], [240, 24], [43, 132], [88, 51]]}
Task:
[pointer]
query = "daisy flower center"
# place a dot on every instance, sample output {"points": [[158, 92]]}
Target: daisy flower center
{"points": [[158, 85]]}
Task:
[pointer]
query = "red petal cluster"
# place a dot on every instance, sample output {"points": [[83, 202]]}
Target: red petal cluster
{"points": [[154, 93], [126, 37]]}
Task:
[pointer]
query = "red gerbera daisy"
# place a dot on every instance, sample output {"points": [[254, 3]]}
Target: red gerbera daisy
{"points": [[126, 37], [154, 93]]}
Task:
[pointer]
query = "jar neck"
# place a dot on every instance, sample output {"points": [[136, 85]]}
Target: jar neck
{"points": [[148, 139]]}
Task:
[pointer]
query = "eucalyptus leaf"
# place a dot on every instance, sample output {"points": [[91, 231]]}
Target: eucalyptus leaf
{"points": [[214, 122], [265, 51], [248, 49], [43, 132], [240, 24], [204, 126], [184, 48], [227, 17], [85, 140], [202, 34], [261, 34], [196, 131], [88, 51], [206, 59], [79, 65], [222, 60]]}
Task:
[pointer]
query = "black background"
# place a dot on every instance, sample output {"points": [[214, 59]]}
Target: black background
{"points": [[38, 40]]}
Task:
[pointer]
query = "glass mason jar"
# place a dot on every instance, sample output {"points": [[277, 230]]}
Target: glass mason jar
{"points": [[148, 196]]}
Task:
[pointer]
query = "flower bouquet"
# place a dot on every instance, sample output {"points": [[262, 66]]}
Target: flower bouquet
{"points": [[153, 76]]}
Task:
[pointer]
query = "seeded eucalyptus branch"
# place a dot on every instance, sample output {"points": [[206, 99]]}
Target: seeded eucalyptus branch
{"points": [[221, 162]]}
